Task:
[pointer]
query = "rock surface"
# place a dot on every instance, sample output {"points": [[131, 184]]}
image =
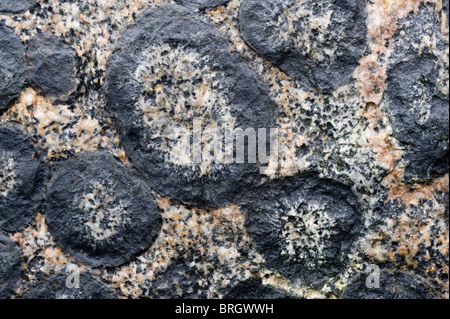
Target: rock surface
{"points": [[10, 266], [254, 289], [16, 6], [52, 66], [203, 4], [304, 227], [108, 215], [103, 92], [23, 175], [160, 82], [12, 66], [415, 96], [56, 287], [399, 285], [317, 42]]}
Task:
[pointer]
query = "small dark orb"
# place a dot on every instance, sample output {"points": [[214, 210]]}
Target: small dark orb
{"points": [[161, 81], [417, 108], [10, 266], [52, 66], [12, 67], [100, 211], [319, 43], [304, 226], [23, 174]]}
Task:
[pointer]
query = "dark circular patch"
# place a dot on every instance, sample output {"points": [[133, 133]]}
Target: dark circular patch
{"points": [[177, 281], [100, 211], [61, 287], [417, 108], [318, 43], [12, 66], [10, 266], [393, 285], [16, 6], [303, 226], [254, 289], [22, 177], [52, 66], [203, 4], [169, 70]]}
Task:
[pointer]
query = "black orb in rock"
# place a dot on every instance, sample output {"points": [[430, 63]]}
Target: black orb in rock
{"points": [[12, 67], [69, 287], [22, 176], [318, 43], [392, 285], [176, 92], [10, 266], [254, 289], [100, 211], [16, 6], [177, 281], [203, 4], [417, 108], [52, 66], [303, 226]]}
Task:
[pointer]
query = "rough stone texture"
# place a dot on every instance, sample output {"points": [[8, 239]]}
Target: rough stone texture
{"points": [[364, 127], [52, 66], [304, 227], [203, 4], [214, 87], [56, 287], [10, 266], [12, 66], [23, 174], [393, 285], [178, 281], [317, 42], [107, 216], [255, 289], [416, 96], [16, 6]]}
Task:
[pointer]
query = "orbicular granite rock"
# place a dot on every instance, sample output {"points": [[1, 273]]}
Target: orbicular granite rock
{"points": [[392, 285], [106, 216], [10, 266], [304, 226], [23, 174], [52, 66], [202, 4], [16, 6], [415, 98], [12, 66], [254, 289], [318, 43], [64, 287], [357, 89], [177, 94], [177, 281]]}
